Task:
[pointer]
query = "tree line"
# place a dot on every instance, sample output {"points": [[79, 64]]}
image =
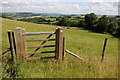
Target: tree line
{"points": [[93, 23]]}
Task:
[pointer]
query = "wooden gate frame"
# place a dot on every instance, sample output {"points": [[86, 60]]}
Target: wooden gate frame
{"points": [[21, 48], [18, 51]]}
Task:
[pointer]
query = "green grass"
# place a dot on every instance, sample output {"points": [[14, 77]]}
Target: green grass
{"points": [[81, 42]]}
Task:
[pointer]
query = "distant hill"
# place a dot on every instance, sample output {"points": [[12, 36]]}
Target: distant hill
{"points": [[51, 14], [29, 14]]}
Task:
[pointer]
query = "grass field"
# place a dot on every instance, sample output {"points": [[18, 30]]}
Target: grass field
{"points": [[81, 42]]}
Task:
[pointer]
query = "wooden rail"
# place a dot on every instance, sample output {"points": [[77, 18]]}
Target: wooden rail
{"points": [[36, 33], [41, 46], [34, 40], [43, 52], [5, 51], [74, 55]]}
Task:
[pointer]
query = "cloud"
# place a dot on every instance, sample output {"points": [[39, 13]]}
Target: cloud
{"points": [[96, 0], [102, 8], [58, 7], [40, 7]]}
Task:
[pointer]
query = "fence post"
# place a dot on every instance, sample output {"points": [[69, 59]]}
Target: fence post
{"points": [[12, 45], [103, 52], [64, 47], [59, 44], [19, 40], [24, 45]]}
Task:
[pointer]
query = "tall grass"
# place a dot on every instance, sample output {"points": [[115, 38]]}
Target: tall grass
{"points": [[81, 42]]}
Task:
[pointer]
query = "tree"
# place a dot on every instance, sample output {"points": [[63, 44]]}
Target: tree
{"points": [[81, 23], [118, 32], [112, 27], [63, 21], [4, 15], [102, 24], [90, 20]]}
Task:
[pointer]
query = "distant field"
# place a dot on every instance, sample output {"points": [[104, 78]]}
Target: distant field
{"points": [[81, 42]]}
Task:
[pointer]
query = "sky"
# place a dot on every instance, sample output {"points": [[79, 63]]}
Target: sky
{"points": [[102, 7]]}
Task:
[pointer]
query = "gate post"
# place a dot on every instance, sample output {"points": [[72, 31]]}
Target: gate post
{"points": [[20, 43], [24, 45], [59, 44], [12, 45], [64, 47]]}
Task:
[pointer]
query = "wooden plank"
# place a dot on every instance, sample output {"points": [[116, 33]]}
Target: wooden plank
{"points": [[19, 46], [43, 52], [34, 40], [41, 46], [23, 45], [74, 55], [5, 51], [36, 33], [104, 47], [59, 44], [64, 47], [14, 44], [11, 42]]}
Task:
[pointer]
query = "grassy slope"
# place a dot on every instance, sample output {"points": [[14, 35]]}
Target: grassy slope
{"points": [[81, 42]]}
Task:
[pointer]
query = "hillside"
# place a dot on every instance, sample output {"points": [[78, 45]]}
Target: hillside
{"points": [[81, 42]]}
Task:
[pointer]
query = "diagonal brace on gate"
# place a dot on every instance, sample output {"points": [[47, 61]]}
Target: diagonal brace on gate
{"points": [[40, 46]]}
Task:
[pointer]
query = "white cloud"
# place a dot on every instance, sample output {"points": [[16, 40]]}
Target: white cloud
{"points": [[96, 0], [40, 7], [52, 0], [101, 8], [57, 7]]}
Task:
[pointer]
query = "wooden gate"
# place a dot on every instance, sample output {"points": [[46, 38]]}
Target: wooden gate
{"points": [[21, 48], [18, 46]]}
